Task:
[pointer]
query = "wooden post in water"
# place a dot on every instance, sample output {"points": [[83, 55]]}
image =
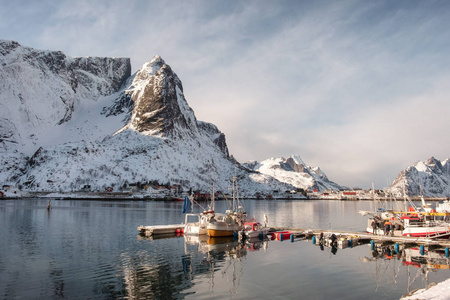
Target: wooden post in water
{"points": [[48, 205]]}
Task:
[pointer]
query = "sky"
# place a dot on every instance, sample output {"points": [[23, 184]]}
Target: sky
{"points": [[357, 88]]}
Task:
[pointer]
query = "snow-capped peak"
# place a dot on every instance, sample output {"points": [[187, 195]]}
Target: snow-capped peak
{"points": [[430, 178], [70, 110], [294, 171], [149, 68], [298, 160], [159, 105]]}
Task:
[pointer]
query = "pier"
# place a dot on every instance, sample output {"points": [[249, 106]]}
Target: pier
{"points": [[362, 236], [310, 233], [344, 238]]}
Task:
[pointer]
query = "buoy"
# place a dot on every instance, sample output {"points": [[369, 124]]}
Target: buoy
{"points": [[281, 235], [292, 238], [422, 249], [182, 230], [372, 245], [314, 239], [396, 247], [235, 235], [178, 230], [261, 236], [446, 252], [350, 243]]}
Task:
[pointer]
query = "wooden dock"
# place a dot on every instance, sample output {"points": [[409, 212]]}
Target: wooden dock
{"points": [[426, 241], [156, 230], [160, 229]]}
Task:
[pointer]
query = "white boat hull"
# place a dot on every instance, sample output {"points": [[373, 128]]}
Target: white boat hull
{"points": [[194, 229], [438, 231]]}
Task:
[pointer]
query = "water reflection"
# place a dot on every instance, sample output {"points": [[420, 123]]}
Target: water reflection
{"points": [[156, 274], [419, 264], [90, 250]]}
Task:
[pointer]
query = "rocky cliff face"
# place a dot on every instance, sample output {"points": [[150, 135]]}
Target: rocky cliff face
{"points": [[40, 90], [68, 123], [160, 107], [294, 171], [430, 178], [215, 135]]}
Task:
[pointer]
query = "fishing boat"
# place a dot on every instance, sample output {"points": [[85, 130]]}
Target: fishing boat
{"points": [[198, 225], [409, 224], [232, 221], [255, 229], [222, 225], [414, 221]]}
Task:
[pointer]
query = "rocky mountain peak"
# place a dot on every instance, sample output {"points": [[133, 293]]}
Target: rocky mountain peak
{"points": [[294, 171], [149, 68], [63, 115], [160, 107], [430, 178]]}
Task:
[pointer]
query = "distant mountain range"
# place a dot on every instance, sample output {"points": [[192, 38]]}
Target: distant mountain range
{"points": [[68, 124], [294, 171], [430, 178]]}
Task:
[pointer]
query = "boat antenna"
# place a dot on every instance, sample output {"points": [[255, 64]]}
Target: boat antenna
{"points": [[212, 197], [374, 199]]}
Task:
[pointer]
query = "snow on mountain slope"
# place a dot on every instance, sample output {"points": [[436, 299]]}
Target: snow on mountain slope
{"points": [[295, 172], [40, 90], [430, 178], [91, 126]]}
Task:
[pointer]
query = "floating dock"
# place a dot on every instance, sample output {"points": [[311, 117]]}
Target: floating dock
{"points": [[156, 230], [426, 241], [160, 229]]}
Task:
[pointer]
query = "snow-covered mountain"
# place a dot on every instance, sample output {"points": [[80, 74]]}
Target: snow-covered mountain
{"points": [[430, 177], [294, 171], [66, 123]]}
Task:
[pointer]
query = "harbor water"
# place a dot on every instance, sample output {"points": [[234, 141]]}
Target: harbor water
{"points": [[88, 249]]}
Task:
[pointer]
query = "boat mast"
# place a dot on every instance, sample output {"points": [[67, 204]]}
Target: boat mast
{"points": [[212, 198], [375, 199], [234, 193]]}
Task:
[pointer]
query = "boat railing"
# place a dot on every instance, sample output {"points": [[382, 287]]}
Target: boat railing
{"points": [[441, 234]]}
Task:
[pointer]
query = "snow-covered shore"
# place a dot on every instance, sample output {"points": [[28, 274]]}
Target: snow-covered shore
{"points": [[441, 291]]}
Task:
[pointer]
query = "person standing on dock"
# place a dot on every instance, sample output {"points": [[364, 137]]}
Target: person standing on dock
{"points": [[387, 227], [374, 226]]}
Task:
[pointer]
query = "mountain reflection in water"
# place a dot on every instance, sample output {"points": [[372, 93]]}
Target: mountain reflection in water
{"points": [[208, 258], [90, 250]]}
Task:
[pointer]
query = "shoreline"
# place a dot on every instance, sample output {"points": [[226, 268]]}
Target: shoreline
{"points": [[123, 196]]}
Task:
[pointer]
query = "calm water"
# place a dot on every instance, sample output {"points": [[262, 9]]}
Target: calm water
{"points": [[91, 249]]}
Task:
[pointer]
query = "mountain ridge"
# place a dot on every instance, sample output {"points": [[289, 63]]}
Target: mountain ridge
{"points": [[112, 135], [70, 122], [294, 171], [430, 178]]}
